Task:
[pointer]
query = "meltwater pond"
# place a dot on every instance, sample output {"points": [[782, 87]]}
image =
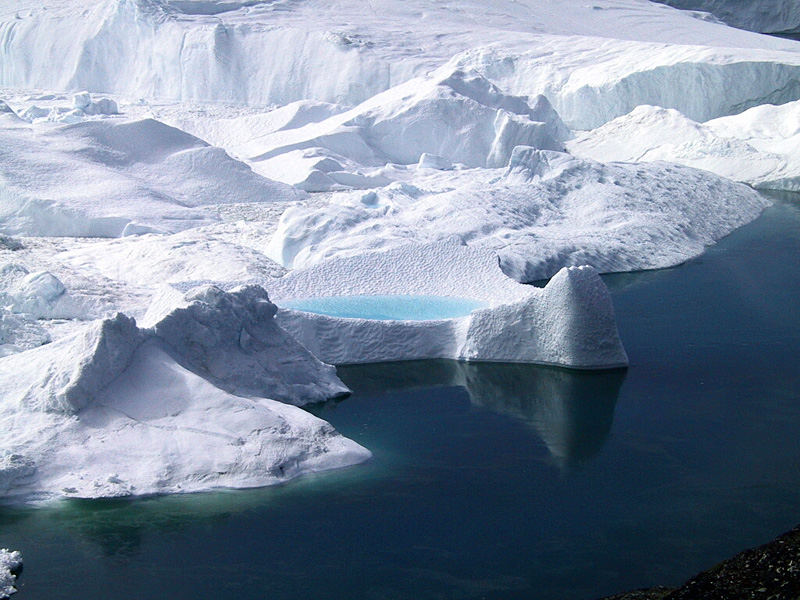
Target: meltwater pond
{"points": [[387, 307], [500, 481]]}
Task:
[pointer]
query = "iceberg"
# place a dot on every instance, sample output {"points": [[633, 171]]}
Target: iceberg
{"points": [[570, 322], [545, 211], [186, 405]]}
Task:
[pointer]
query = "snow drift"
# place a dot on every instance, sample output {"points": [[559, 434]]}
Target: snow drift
{"points": [[759, 146], [112, 177], [119, 410]]}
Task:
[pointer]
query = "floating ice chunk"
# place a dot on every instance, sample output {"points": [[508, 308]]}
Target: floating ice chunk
{"points": [[37, 293], [81, 100], [118, 410], [455, 114], [10, 564], [101, 106], [432, 161], [232, 340], [19, 333], [570, 322]]}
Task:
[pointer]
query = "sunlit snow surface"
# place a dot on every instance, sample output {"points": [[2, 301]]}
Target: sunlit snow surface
{"points": [[375, 132], [387, 308]]}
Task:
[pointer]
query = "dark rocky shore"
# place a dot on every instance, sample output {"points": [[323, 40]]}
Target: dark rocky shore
{"points": [[769, 572]]}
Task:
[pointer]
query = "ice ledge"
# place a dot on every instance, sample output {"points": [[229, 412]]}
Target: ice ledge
{"points": [[570, 322]]}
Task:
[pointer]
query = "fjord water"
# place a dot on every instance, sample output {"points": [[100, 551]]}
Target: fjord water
{"points": [[500, 481]]}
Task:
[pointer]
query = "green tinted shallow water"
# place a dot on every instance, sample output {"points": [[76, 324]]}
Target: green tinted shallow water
{"points": [[498, 481]]}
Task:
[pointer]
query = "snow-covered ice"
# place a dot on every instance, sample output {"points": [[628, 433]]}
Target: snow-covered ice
{"points": [[186, 405], [112, 177], [367, 147], [546, 210], [10, 563], [570, 322]]}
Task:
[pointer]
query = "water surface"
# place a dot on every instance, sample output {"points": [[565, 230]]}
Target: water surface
{"points": [[387, 308]]}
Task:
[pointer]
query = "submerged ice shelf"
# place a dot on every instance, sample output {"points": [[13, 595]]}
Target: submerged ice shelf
{"points": [[387, 307]]}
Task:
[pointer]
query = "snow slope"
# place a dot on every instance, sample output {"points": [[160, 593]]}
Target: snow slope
{"points": [[545, 211], [115, 177], [118, 410]]}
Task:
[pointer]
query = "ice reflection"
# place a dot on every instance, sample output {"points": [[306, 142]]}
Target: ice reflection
{"points": [[572, 411]]}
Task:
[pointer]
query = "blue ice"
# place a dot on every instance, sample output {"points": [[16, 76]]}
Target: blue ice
{"points": [[387, 308]]}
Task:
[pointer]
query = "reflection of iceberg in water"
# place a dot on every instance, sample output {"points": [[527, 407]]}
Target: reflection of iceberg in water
{"points": [[572, 411]]}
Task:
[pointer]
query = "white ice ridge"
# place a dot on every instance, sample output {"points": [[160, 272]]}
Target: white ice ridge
{"points": [[547, 210], [457, 115], [766, 16], [10, 563], [183, 406], [116, 177], [570, 322], [590, 68], [760, 146]]}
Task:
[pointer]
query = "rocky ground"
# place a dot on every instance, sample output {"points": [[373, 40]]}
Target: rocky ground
{"points": [[768, 572]]}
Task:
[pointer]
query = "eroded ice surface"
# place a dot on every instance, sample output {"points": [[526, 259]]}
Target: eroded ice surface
{"points": [[387, 308], [10, 562], [544, 211]]}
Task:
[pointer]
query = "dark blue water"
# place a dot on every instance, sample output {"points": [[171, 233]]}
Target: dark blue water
{"points": [[499, 481]]}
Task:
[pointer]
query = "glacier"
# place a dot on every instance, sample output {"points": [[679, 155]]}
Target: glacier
{"points": [[173, 171]]}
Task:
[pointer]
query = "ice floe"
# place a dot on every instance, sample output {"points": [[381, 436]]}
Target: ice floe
{"points": [[570, 322]]}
